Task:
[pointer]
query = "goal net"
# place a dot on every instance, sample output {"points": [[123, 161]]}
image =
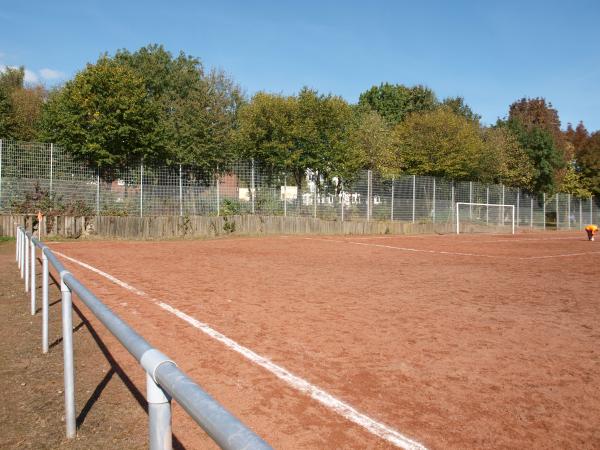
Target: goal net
{"points": [[484, 218]]}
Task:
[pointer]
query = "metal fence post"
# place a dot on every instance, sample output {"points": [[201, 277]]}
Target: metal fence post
{"points": [[69, 369], [556, 201], [569, 210], [414, 187], [487, 206], [44, 303], [252, 187], [518, 205], [51, 165], [21, 253], [433, 209], [142, 190], [530, 212], [502, 207], [392, 208], [218, 194], [32, 273], [470, 200], [18, 242], [315, 202], [591, 209], [544, 209], [159, 416], [369, 193], [98, 191], [285, 196], [180, 192], [0, 174], [342, 202], [452, 200]]}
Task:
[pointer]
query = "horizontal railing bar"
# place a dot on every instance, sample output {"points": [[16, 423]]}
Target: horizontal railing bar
{"points": [[223, 427]]}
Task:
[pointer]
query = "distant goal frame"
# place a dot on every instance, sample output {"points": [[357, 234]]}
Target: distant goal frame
{"points": [[500, 205]]}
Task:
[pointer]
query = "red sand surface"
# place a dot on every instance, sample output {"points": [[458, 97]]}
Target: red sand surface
{"points": [[471, 341]]}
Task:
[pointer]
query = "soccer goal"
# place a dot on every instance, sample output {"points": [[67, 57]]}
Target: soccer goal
{"points": [[484, 218]]}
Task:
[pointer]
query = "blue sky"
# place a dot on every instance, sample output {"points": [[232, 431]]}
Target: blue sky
{"points": [[491, 53]]}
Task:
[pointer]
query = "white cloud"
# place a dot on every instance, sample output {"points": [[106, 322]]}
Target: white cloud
{"points": [[30, 77], [51, 74]]}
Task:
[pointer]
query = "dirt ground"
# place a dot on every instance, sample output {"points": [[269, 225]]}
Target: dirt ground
{"points": [[111, 411], [454, 341]]}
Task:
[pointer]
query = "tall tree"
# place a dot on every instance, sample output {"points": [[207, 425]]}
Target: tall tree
{"points": [[197, 110], [537, 113], [394, 102], [20, 105], [104, 116], [458, 106], [546, 158], [588, 161], [577, 137], [441, 143]]}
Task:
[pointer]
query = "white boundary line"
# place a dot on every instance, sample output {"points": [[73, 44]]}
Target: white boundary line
{"points": [[344, 409], [442, 252]]}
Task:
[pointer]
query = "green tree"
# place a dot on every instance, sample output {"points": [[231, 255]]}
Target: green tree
{"points": [[546, 158], [588, 161], [537, 113], [370, 141], [296, 133], [395, 101], [574, 183], [443, 144], [104, 116], [458, 106], [509, 164], [197, 111], [20, 106]]}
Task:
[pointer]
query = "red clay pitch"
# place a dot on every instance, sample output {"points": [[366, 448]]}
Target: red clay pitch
{"points": [[470, 341]]}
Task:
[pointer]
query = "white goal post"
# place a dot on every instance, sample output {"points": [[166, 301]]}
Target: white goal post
{"points": [[500, 208]]}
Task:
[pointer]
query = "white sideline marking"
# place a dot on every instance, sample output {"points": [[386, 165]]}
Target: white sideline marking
{"points": [[442, 252], [344, 409], [405, 249]]}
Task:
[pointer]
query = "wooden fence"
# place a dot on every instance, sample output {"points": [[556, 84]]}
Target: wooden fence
{"points": [[165, 227]]}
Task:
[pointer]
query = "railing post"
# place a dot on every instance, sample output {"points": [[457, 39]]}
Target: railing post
{"points": [[591, 209], [414, 188], [23, 244], [44, 303], [569, 210], [18, 242], [159, 416], [502, 207], [342, 202], [32, 273], [452, 200], [69, 369], [26, 250], [470, 200]]}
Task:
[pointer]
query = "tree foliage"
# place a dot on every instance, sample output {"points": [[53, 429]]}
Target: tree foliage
{"points": [[588, 161], [20, 106], [510, 164], [104, 116], [458, 106], [441, 143], [394, 102]]}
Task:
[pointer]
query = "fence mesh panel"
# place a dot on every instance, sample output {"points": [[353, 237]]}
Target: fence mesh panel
{"points": [[247, 188]]}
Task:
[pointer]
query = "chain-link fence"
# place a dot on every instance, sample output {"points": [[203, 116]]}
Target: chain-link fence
{"points": [[247, 188]]}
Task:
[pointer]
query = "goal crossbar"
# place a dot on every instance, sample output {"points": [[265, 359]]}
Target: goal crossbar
{"points": [[498, 205]]}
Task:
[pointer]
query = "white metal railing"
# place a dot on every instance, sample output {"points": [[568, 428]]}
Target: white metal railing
{"points": [[164, 380]]}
